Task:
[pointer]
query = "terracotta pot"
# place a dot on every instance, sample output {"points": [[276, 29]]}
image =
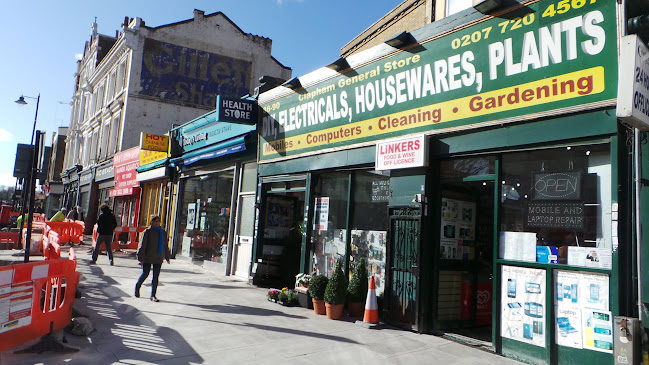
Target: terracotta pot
{"points": [[319, 306], [355, 309], [334, 311]]}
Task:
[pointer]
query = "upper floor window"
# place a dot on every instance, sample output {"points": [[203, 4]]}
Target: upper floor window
{"points": [[456, 6]]}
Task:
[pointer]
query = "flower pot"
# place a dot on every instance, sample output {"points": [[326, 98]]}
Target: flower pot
{"points": [[355, 309], [334, 311], [319, 306], [304, 299]]}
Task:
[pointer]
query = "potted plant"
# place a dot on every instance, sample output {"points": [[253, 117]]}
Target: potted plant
{"points": [[317, 286], [273, 295], [357, 290], [336, 292]]}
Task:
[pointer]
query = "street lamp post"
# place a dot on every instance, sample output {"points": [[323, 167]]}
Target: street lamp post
{"points": [[29, 199]]}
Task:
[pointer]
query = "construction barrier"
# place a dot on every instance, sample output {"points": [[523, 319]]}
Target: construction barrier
{"points": [[9, 240], [69, 232], [51, 245], [132, 242], [35, 297]]}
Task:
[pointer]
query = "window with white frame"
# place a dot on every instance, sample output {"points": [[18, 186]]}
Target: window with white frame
{"points": [[105, 135], [456, 6], [110, 87], [114, 133]]}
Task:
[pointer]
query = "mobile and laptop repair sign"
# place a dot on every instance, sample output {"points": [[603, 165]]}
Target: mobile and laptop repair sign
{"points": [[541, 58]]}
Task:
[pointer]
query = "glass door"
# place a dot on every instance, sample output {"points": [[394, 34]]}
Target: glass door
{"points": [[466, 220]]}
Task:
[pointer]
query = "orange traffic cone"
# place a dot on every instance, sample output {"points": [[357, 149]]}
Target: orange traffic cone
{"points": [[371, 308], [72, 255]]}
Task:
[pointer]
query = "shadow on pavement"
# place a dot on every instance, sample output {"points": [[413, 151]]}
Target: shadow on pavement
{"points": [[122, 334]]}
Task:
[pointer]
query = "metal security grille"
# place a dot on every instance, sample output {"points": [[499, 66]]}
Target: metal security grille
{"points": [[403, 275]]}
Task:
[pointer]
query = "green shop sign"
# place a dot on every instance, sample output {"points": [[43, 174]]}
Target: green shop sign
{"points": [[540, 59]]}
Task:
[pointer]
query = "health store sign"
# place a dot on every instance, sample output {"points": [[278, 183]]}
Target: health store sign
{"points": [[543, 58]]}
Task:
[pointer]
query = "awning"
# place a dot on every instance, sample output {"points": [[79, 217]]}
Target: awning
{"points": [[227, 147], [153, 165]]}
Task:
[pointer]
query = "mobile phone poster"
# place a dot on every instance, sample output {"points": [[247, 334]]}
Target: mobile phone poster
{"points": [[583, 319], [523, 298]]}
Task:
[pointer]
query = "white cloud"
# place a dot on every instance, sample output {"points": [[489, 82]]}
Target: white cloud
{"points": [[78, 56], [5, 135], [7, 180]]}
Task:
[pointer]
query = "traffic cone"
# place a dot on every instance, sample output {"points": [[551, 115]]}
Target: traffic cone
{"points": [[72, 255], [371, 307]]}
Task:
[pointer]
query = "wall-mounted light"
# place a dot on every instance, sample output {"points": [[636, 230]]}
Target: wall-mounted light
{"points": [[486, 6], [401, 40], [293, 83], [339, 65]]}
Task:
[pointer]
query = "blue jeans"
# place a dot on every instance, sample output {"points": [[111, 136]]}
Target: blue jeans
{"points": [[106, 239], [146, 268]]}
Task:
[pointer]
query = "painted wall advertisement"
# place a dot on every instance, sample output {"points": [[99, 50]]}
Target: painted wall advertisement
{"points": [[458, 225], [523, 298], [583, 319], [181, 74], [532, 61]]}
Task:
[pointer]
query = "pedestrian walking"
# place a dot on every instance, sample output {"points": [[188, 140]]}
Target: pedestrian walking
{"points": [[106, 224], [152, 250]]}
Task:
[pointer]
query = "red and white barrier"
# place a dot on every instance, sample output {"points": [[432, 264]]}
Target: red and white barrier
{"points": [[132, 242], [33, 296]]}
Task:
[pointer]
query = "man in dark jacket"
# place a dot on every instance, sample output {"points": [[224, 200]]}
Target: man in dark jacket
{"points": [[106, 224]]}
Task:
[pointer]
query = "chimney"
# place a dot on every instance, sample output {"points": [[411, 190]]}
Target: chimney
{"points": [[198, 14]]}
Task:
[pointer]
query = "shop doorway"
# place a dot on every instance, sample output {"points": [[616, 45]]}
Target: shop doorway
{"points": [[280, 248], [464, 270], [401, 293]]}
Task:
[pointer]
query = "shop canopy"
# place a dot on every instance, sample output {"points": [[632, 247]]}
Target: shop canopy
{"points": [[232, 145]]}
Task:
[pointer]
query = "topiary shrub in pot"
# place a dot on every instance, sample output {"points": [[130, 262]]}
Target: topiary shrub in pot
{"points": [[317, 287], [336, 292], [357, 290]]}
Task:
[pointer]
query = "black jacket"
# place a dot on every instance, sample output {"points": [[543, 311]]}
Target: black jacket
{"points": [[106, 224]]}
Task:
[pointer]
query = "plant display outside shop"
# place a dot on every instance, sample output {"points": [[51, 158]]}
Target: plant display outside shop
{"points": [[336, 292]]}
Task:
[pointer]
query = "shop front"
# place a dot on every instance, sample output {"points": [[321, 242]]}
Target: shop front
{"points": [[104, 179], [70, 179], [126, 193], [153, 175], [481, 172], [87, 197], [215, 157]]}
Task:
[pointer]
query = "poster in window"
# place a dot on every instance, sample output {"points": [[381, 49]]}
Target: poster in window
{"points": [[582, 316], [523, 305], [457, 226], [321, 213], [191, 215]]}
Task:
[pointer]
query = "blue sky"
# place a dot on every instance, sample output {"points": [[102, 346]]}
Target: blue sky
{"points": [[42, 39]]}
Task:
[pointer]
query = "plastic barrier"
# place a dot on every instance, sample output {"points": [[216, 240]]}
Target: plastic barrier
{"points": [[69, 232], [39, 230], [51, 245], [9, 240], [37, 297], [132, 235]]}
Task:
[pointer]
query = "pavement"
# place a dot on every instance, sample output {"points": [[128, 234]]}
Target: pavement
{"points": [[209, 318]]}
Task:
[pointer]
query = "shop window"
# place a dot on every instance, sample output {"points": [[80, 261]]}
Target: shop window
{"points": [[464, 167], [329, 234], [556, 206], [369, 222], [204, 222]]}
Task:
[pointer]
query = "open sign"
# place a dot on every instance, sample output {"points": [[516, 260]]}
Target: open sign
{"points": [[557, 185]]}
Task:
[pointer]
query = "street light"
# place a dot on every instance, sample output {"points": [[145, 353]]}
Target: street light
{"points": [[32, 182], [21, 101]]}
